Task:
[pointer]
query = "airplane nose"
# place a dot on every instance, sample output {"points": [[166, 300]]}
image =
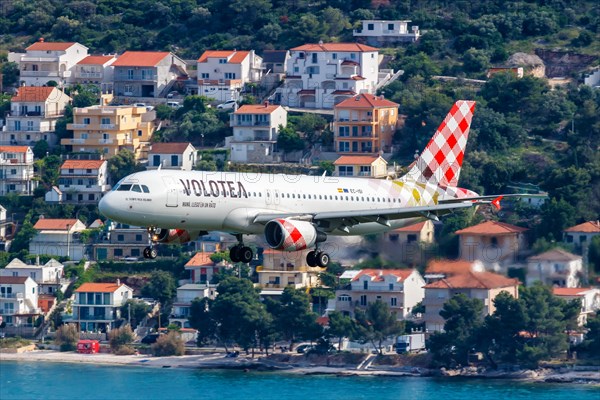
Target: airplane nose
{"points": [[107, 206]]}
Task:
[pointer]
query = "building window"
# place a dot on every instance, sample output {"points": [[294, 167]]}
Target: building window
{"points": [[363, 300], [391, 286], [222, 61], [411, 238], [120, 238], [494, 241], [29, 125], [91, 197], [229, 75], [366, 285], [390, 27], [174, 160], [129, 74], [370, 27], [156, 160], [344, 146], [17, 125], [344, 131], [86, 121], [204, 75], [314, 58], [393, 302], [334, 56], [346, 170], [138, 238], [118, 253], [105, 121]]}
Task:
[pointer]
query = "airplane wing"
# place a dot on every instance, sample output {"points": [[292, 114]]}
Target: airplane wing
{"points": [[335, 219], [492, 199]]}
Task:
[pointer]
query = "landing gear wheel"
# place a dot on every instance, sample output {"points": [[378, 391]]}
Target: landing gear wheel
{"points": [[152, 253], [311, 258], [234, 253], [245, 254], [322, 260]]}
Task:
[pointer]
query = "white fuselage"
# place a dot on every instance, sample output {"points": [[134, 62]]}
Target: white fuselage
{"points": [[229, 201]]}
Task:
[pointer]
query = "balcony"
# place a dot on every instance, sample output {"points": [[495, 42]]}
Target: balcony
{"points": [[11, 295], [108, 126], [52, 74], [72, 141], [89, 75]]}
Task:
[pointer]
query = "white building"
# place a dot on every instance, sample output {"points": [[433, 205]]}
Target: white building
{"points": [[223, 73], [33, 115], [322, 75], [555, 268], [50, 61], [383, 33], [589, 297], [16, 170], [97, 305], [255, 131], [181, 156], [81, 181], [185, 295], [49, 277], [18, 300], [59, 238], [401, 289], [581, 235], [96, 70]]}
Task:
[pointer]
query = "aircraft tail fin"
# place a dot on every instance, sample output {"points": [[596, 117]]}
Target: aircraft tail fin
{"points": [[440, 163]]}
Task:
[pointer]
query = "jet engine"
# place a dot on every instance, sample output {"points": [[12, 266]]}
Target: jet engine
{"points": [[174, 235], [292, 235]]}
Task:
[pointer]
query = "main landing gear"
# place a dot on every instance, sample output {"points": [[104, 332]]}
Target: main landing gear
{"points": [[150, 252], [317, 258], [240, 253]]}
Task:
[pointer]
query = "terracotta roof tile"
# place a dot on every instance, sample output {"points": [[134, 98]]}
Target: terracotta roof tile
{"points": [[555, 255], [586, 227], [448, 267], [54, 224], [95, 60], [33, 93], [418, 227], [257, 109], [378, 274], [200, 259], [169, 148], [341, 47], [13, 280], [473, 280], [366, 101], [91, 287], [140, 58], [492, 228], [50, 46], [355, 160], [13, 149], [82, 164], [234, 57], [569, 291]]}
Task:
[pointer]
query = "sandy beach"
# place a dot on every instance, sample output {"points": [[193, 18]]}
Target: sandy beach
{"points": [[588, 375]]}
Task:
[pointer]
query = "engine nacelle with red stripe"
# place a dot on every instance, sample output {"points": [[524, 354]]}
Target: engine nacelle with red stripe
{"points": [[174, 236], [292, 235]]}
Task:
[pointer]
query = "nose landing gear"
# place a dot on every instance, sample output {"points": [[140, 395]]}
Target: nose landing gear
{"points": [[150, 252]]}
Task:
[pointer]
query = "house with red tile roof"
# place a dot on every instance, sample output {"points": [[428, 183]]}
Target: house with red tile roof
{"points": [[385, 33], [255, 132], [223, 73], [16, 170], [581, 235], [555, 267], [400, 289], [59, 238], [364, 123], [443, 268], [180, 156], [409, 244], [281, 269], [19, 304], [202, 268], [149, 74], [324, 74], [119, 242], [80, 181], [34, 111], [97, 306], [96, 70], [367, 166], [589, 297], [495, 244], [484, 286], [50, 61]]}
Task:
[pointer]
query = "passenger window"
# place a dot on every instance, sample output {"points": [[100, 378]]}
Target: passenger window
{"points": [[304, 196], [124, 188], [259, 194], [145, 189]]}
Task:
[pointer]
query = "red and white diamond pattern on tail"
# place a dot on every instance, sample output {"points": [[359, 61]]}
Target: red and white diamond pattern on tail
{"points": [[440, 162], [294, 240]]}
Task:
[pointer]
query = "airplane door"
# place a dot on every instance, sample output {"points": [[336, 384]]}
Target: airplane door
{"points": [[171, 187]]}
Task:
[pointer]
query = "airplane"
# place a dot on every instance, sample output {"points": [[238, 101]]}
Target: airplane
{"points": [[297, 212]]}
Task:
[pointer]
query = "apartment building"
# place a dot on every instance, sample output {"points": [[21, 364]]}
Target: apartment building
{"points": [[16, 170], [556, 267], [96, 70], [33, 114], [97, 305], [109, 129], [385, 32], [18, 301], [364, 124], [180, 156], [80, 181], [49, 277], [223, 73], [323, 75], [59, 238], [281, 269]]}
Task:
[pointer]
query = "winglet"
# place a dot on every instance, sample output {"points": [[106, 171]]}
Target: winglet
{"points": [[496, 202]]}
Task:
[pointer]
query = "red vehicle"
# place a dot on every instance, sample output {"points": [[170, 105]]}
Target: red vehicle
{"points": [[88, 346]]}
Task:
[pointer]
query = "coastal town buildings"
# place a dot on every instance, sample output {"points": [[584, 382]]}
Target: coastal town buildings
{"points": [[108, 129], [185, 295], [202, 268], [97, 71], [581, 235], [33, 114], [59, 238], [255, 132], [97, 305], [281, 269], [589, 297], [180, 156], [120, 242], [409, 245], [16, 170], [361, 166], [49, 277], [19, 301], [556, 267], [385, 33], [80, 181]]}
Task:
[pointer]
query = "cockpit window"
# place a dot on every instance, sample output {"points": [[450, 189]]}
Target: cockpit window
{"points": [[145, 189], [123, 188], [136, 188]]}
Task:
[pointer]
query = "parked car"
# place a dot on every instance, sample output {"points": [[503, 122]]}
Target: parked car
{"points": [[304, 348], [173, 104], [139, 105], [172, 94], [150, 338], [228, 105]]}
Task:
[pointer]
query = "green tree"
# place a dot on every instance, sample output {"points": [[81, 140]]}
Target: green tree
{"points": [[122, 164], [293, 317], [592, 337], [419, 65], [594, 254], [161, 286], [40, 149], [309, 124], [85, 96], [376, 324], [289, 140], [340, 326], [10, 74], [137, 309], [477, 61], [202, 320], [120, 337]]}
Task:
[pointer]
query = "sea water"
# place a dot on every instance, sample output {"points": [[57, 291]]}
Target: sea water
{"points": [[29, 380]]}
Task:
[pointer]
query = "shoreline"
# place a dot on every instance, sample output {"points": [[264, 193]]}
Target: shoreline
{"points": [[218, 361]]}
